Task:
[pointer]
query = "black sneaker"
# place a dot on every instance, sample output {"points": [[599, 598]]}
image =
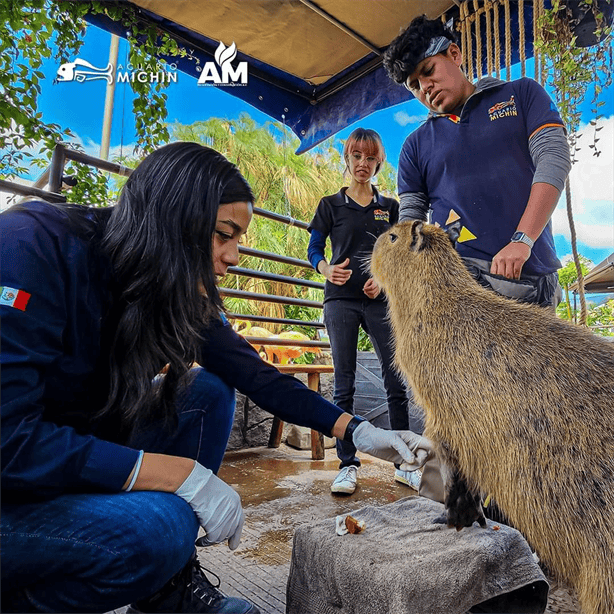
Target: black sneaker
{"points": [[191, 591]]}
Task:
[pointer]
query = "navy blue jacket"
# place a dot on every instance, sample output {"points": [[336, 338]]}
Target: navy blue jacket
{"points": [[56, 305]]}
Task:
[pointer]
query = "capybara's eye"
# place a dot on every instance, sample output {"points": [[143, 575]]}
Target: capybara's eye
{"points": [[393, 237]]}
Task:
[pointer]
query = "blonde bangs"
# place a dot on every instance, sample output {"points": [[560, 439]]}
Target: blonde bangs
{"points": [[369, 143]]}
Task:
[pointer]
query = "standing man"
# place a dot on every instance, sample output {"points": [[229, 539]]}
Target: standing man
{"points": [[492, 157]]}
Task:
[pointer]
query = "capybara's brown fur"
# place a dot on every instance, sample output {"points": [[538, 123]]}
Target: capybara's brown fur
{"points": [[520, 401]]}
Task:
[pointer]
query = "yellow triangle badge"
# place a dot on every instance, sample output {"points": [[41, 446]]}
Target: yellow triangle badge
{"points": [[465, 235], [452, 217]]}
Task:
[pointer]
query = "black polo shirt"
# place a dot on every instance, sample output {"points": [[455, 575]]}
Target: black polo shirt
{"points": [[353, 230]]}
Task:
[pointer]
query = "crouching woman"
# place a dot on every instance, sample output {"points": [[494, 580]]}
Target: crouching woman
{"points": [[109, 468]]}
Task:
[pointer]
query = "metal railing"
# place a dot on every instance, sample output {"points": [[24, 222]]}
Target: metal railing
{"points": [[54, 178]]}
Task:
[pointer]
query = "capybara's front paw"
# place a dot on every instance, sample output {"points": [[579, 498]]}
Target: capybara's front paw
{"points": [[464, 508]]}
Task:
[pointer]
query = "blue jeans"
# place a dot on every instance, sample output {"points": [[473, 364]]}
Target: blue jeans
{"points": [[342, 318], [97, 552]]}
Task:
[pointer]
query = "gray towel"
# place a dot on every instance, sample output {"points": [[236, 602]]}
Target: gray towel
{"points": [[407, 561]]}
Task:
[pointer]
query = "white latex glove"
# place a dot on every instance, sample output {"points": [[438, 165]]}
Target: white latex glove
{"points": [[406, 448], [216, 505]]}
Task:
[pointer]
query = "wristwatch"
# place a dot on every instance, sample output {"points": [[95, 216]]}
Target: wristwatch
{"points": [[520, 237], [351, 427]]}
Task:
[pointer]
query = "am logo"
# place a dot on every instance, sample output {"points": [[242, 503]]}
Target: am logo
{"points": [[221, 72]]}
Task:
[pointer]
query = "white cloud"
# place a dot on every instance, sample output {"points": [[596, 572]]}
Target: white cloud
{"points": [[403, 118], [592, 177], [92, 148], [569, 257], [592, 189], [599, 235]]}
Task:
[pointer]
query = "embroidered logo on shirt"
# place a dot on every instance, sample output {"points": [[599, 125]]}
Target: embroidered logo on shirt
{"points": [[507, 108], [14, 298], [453, 118], [381, 216]]}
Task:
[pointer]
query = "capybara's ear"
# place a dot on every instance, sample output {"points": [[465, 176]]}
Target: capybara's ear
{"points": [[419, 239], [453, 231]]}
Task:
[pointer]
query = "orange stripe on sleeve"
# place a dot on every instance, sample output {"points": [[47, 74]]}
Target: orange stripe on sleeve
{"points": [[545, 126]]}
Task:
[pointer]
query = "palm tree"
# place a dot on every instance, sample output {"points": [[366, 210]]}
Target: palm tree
{"points": [[283, 183]]}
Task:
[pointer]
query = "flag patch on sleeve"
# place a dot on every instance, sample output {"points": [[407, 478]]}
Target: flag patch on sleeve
{"points": [[14, 298]]}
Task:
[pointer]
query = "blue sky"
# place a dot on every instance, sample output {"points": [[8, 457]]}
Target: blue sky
{"points": [[79, 106]]}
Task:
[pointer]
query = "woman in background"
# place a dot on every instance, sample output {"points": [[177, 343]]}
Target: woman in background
{"points": [[353, 218]]}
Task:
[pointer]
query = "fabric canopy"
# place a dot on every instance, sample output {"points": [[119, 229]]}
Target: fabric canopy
{"points": [[314, 65]]}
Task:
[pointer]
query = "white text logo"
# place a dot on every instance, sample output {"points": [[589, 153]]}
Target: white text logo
{"points": [[230, 76], [81, 71]]}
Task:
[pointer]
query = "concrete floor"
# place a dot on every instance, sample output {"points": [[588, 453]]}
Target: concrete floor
{"points": [[281, 489]]}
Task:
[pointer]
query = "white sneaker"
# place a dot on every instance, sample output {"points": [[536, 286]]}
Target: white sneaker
{"points": [[409, 478], [345, 482]]}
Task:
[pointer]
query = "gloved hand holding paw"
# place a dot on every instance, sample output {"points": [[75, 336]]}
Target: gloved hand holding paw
{"points": [[405, 448]]}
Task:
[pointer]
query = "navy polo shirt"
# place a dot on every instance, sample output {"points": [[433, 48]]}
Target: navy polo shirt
{"points": [[477, 168], [353, 230]]}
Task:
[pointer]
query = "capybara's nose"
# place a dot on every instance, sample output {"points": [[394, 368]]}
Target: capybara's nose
{"points": [[393, 237]]}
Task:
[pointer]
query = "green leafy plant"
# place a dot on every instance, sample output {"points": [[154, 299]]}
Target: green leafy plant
{"points": [[575, 72], [568, 275], [364, 343], [306, 314], [601, 319], [28, 31]]}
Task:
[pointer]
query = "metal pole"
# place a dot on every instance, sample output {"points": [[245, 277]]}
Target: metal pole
{"points": [[331, 19], [26, 190], [269, 298], [56, 170], [284, 279], [104, 165], [249, 251], [288, 321], [108, 102]]}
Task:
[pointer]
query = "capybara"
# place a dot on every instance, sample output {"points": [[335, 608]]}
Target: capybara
{"points": [[519, 403]]}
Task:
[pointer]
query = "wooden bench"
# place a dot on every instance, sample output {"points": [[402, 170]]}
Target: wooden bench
{"points": [[313, 381]]}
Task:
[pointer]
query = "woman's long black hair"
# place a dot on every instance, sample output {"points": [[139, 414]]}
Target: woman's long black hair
{"points": [[159, 238]]}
